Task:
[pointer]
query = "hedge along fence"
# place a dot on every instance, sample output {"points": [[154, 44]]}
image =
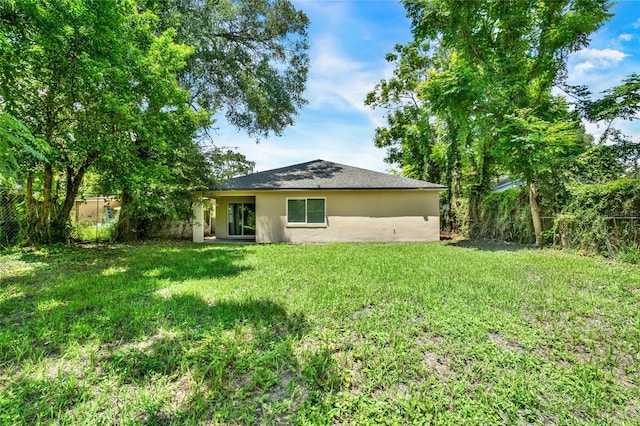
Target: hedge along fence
{"points": [[603, 218], [506, 216]]}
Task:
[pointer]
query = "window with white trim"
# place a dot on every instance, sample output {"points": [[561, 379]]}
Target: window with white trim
{"points": [[301, 211]]}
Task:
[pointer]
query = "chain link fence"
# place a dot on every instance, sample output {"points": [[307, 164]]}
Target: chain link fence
{"points": [[611, 235], [12, 214], [93, 218]]}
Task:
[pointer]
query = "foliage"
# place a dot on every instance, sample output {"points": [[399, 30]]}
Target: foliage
{"points": [[168, 333], [250, 58], [630, 255], [601, 218], [476, 69], [16, 137], [599, 164], [94, 81], [535, 149], [227, 163], [506, 217], [124, 89], [92, 231], [621, 153], [621, 101]]}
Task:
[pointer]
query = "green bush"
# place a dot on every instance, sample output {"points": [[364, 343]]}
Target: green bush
{"points": [[630, 255], [506, 216], [602, 218]]}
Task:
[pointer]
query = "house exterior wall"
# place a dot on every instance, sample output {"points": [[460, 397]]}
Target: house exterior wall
{"points": [[92, 209], [366, 215]]}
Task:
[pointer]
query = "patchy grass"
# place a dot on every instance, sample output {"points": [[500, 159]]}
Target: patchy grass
{"points": [[169, 333]]}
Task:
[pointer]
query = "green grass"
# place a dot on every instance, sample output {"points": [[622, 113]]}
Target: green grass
{"points": [[171, 333], [87, 231]]}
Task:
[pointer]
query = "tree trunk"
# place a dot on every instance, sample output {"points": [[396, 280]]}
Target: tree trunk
{"points": [[73, 186], [47, 185], [31, 211], [125, 229], [535, 213], [451, 220]]}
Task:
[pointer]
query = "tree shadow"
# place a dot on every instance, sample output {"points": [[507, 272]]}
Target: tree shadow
{"points": [[174, 261], [487, 245], [220, 359], [306, 175]]}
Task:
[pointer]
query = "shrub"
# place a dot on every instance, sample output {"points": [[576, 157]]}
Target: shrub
{"points": [[506, 216], [601, 218]]}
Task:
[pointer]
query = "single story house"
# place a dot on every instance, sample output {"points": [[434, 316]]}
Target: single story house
{"points": [[321, 201]]}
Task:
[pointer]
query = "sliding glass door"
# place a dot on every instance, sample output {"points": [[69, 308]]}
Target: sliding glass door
{"points": [[241, 219]]}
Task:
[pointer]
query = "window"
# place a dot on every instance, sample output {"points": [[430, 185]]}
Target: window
{"points": [[306, 211]]}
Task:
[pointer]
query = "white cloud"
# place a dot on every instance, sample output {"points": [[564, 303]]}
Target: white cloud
{"points": [[603, 57], [637, 23], [595, 60], [625, 37], [583, 66], [347, 51], [339, 82], [340, 142]]}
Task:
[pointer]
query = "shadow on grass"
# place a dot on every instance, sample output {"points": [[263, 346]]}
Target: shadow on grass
{"points": [[487, 245], [217, 358]]}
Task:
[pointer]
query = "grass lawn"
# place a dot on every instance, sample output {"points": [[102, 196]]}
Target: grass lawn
{"points": [[179, 333]]}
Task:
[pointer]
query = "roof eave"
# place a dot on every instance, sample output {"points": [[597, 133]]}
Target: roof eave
{"points": [[331, 189]]}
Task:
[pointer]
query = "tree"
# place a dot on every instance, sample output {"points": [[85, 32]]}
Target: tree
{"points": [[16, 137], [227, 163], [250, 58], [537, 149], [617, 154], [92, 79], [622, 101], [250, 61], [113, 87], [487, 59]]}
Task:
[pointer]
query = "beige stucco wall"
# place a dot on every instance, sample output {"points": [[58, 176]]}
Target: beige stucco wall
{"points": [[351, 216], [92, 209]]}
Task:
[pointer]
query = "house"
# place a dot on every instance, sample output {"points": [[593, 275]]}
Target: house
{"points": [[321, 201], [506, 182], [96, 209]]}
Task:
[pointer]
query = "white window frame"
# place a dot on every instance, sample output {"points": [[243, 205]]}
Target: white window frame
{"points": [[306, 224]]}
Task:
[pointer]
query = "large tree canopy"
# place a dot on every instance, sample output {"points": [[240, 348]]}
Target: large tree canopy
{"points": [[473, 70], [250, 58], [125, 89], [94, 81]]}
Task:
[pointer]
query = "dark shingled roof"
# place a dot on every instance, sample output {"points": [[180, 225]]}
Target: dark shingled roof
{"points": [[320, 174]]}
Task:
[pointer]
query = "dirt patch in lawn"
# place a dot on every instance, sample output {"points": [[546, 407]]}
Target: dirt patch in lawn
{"points": [[505, 344], [286, 390], [435, 363]]}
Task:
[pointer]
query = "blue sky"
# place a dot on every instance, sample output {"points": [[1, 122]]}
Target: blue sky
{"points": [[348, 43]]}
